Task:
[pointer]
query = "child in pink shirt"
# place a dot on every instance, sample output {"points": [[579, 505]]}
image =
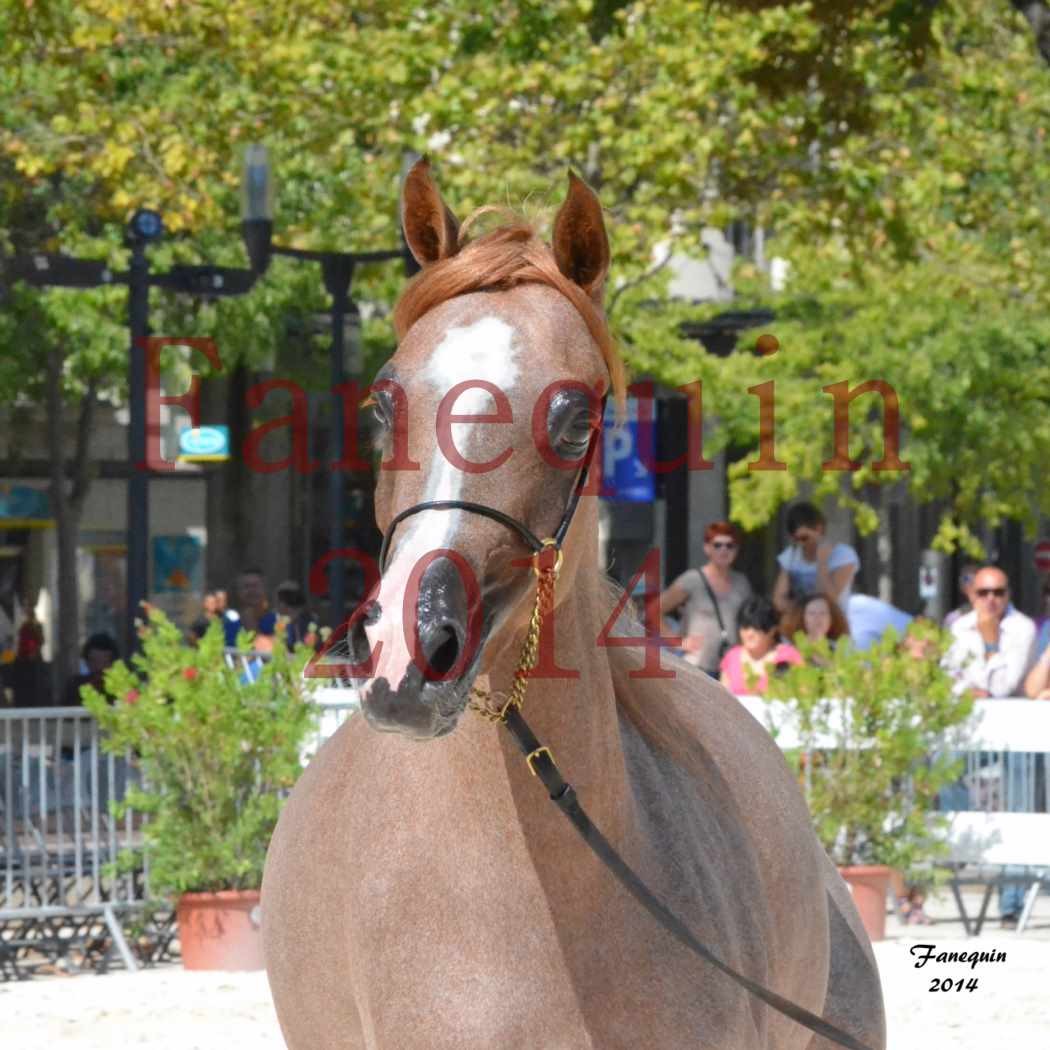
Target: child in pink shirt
{"points": [[745, 668]]}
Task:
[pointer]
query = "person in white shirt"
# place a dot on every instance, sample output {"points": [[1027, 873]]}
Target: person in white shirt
{"points": [[811, 563], [991, 645]]}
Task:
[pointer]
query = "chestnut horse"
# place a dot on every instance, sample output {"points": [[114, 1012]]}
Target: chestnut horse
{"points": [[420, 892]]}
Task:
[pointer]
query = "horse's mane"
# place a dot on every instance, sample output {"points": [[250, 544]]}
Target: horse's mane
{"points": [[503, 258]]}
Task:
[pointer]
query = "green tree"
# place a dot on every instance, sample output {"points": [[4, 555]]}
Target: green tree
{"points": [[896, 150]]}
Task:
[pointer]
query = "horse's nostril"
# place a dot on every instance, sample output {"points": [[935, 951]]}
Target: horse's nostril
{"points": [[442, 652]]}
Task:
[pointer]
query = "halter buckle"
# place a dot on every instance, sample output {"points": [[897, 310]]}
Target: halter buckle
{"points": [[533, 755]]}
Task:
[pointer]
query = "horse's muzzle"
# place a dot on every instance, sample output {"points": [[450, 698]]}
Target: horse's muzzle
{"points": [[433, 657]]}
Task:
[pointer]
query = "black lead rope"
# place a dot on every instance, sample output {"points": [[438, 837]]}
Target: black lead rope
{"points": [[563, 795]]}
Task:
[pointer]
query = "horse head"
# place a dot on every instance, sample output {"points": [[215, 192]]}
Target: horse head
{"points": [[495, 391]]}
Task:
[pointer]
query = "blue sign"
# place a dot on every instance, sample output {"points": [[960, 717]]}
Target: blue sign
{"points": [[628, 447], [204, 444], [24, 503]]}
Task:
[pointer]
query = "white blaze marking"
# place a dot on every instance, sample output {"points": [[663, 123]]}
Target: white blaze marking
{"points": [[480, 351]]}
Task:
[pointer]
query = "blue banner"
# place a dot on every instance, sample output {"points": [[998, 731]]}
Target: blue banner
{"points": [[24, 503]]}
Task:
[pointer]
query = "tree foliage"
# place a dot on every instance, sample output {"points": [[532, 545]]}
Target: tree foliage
{"points": [[874, 731], [895, 149]]}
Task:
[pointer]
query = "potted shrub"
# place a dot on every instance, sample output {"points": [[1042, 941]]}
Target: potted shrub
{"points": [[871, 757], [216, 748]]}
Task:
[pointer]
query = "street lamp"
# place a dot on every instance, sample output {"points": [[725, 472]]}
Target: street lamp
{"points": [[337, 272], [145, 228]]}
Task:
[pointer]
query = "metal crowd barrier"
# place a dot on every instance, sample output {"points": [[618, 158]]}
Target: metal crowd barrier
{"points": [[59, 838], [1003, 747], [59, 834]]}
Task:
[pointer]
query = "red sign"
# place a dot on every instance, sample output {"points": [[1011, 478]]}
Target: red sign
{"points": [[1042, 556]]}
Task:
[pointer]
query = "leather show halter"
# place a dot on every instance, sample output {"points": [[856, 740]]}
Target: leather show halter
{"points": [[546, 563]]}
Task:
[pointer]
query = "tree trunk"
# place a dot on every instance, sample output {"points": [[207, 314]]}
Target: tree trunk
{"points": [[67, 502], [879, 497]]}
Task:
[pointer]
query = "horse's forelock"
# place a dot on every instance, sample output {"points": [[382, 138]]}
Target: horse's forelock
{"points": [[508, 256]]}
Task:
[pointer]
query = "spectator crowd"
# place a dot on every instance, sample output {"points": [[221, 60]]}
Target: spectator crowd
{"points": [[740, 637], [994, 650]]}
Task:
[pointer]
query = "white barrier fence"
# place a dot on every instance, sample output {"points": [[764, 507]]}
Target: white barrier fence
{"points": [[58, 834], [1003, 745]]}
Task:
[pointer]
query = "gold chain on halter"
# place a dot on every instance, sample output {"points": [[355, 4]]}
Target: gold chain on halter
{"points": [[484, 702]]}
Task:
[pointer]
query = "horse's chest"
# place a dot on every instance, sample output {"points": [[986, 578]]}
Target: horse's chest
{"points": [[492, 951]]}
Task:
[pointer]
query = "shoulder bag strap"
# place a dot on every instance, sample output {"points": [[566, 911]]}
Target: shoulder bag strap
{"points": [[714, 602]]}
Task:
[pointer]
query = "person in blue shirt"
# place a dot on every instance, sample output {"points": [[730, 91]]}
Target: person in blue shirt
{"points": [[811, 563], [253, 612], [295, 620]]}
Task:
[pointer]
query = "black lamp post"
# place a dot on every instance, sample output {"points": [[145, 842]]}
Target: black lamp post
{"points": [[337, 272], [63, 271]]}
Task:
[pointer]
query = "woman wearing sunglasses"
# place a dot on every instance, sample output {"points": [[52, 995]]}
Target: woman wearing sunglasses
{"points": [[709, 599]]}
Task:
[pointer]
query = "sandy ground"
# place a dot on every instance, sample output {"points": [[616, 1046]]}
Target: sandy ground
{"points": [[172, 1009]]}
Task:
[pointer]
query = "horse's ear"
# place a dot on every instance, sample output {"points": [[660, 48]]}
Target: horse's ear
{"points": [[431, 230], [581, 247]]}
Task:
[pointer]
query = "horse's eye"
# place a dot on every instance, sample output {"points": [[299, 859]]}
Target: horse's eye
{"points": [[579, 431], [570, 420], [576, 435]]}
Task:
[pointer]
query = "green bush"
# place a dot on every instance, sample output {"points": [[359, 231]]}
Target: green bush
{"points": [[216, 753], [873, 728]]}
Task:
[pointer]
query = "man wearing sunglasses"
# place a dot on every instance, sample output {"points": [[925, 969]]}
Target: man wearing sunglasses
{"points": [[991, 649], [992, 644]]}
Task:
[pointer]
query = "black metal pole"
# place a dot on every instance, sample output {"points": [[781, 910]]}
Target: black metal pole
{"points": [[338, 273], [138, 477]]}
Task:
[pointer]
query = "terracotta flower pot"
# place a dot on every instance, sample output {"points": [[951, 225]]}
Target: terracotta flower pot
{"points": [[868, 885], [220, 931]]}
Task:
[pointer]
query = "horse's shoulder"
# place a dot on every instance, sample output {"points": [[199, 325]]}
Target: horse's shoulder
{"points": [[692, 707]]}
